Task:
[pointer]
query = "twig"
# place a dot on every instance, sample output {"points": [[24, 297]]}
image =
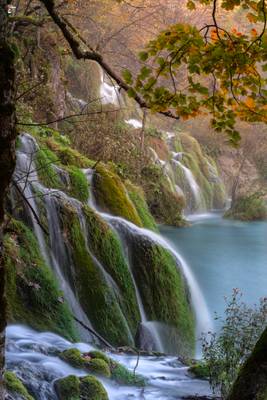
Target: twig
{"points": [[93, 332]]}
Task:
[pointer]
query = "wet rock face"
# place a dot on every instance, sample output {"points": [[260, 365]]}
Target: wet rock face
{"points": [[144, 339]]}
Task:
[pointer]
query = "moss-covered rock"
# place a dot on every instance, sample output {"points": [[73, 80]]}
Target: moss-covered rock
{"points": [[15, 386], [99, 367], [248, 208], [112, 196], [251, 383], [199, 369], [45, 159], [68, 388], [32, 292], [95, 294], [99, 363], [125, 377], [105, 245], [85, 388], [100, 355], [163, 290], [165, 205], [78, 184], [73, 357], [92, 389], [136, 194]]}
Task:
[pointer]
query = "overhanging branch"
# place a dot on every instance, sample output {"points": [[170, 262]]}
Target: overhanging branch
{"points": [[81, 54]]}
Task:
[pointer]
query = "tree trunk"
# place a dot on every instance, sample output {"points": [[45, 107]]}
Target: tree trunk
{"points": [[251, 383], [7, 156]]}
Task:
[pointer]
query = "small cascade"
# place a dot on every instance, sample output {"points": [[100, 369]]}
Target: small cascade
{"points": [[134, 122], [193, 185], [33, 357], [203, 318], [56, 253], [145, 326], [109, 93], [59, 256], [125, 228]]}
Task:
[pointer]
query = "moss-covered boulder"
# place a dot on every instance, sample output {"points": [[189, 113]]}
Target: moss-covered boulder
{"points": [[105, 245], [15, 386], [85, 388], [248, 208], [125, 377], [95, 293], [112, 196], [97, 365], [251, 383], [163, 290], [137, 196], [165, 205], [33, 296], [78, 184]]}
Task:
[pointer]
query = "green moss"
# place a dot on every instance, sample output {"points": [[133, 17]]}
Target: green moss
{"points": [[15, 386], [200, 370], [112, 196], [125, 377], [106, 246], [44, 162], [92, 389], [99, 367], [86, 388], [95, 295], [32, 292], [248, 208], [100, 355], [79, 184], [137, 197], [68, 388], [252, 379], [73, 357], [163, 291], [165, 205], [68, 156]]}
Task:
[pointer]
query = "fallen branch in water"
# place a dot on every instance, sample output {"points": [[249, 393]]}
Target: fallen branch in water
{"points": [[93, 332]]}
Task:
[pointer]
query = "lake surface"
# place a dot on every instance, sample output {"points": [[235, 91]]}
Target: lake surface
{"points": [[223, 254]]}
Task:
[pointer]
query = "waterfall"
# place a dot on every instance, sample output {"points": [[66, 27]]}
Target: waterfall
{"points": [[55, 254], [145, 324], [33, 357], [194, 187], [134, 122], [204, 322], [109, 93], [203, 319]]}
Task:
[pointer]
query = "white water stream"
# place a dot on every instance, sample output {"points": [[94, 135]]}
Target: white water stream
{"points": [[33, 356]]}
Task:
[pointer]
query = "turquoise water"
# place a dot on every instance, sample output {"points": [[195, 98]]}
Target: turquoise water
{"points": [[223, 255]]}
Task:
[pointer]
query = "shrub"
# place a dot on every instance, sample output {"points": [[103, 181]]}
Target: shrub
{"points": [[248, 208], [224, 353]]}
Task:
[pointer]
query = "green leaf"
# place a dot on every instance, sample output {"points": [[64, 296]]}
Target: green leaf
{"points": [[127, 76], [143, 55]]}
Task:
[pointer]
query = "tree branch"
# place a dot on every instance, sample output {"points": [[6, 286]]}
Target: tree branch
{"points": [[91, 54]]}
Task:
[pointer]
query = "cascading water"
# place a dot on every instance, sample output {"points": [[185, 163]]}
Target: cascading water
{"points": [[109, 93], [204, 322], [155, 344], [193, 185], [134, 122], [56, 254], [33, 357]]}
